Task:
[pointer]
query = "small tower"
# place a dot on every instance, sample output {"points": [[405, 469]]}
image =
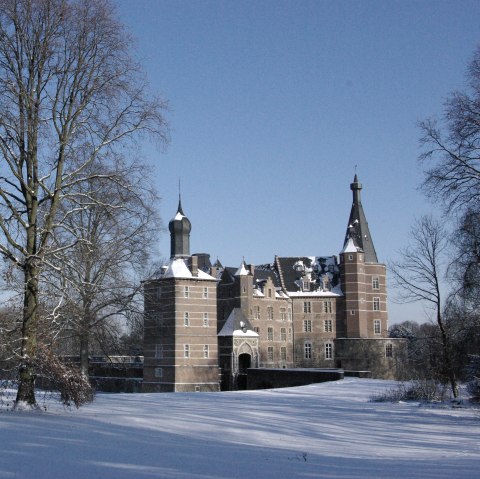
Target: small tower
{"points": [[180, 228]]}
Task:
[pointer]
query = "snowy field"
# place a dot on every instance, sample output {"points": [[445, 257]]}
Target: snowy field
{"points": [[328, 430]]}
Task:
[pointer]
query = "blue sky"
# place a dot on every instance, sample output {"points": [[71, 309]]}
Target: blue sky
{"points": [[273, 103]]}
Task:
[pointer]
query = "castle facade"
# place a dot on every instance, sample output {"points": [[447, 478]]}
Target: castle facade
{"points": [[206, 325]]}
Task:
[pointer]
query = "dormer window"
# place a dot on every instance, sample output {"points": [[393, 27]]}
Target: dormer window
{"points": [[306, 286]]}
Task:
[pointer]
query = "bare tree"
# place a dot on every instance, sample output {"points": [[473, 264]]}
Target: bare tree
{"points": [[70, 96], [419, 275], [452, 146], [102, 247]]}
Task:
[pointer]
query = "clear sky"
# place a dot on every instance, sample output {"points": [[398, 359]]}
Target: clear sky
{"points": [[274, 103]]}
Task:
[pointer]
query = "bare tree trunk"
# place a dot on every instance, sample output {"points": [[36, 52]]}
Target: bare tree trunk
{"points": [[26, 389], [447, 356]]}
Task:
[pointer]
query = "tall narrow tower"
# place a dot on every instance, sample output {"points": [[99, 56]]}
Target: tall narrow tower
{"points": [[180, 228], [363, 277]]}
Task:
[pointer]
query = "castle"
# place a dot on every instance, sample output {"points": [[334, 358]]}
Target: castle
{"points": [[206, 325]]}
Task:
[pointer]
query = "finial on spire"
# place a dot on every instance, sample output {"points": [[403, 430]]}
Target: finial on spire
{"points": [[179, 198]]}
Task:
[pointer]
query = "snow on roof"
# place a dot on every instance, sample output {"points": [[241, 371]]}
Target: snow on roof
{"points": [[242, 271], [179, 216], [237, 325], [335, 292], [350, 247], [178, 268]]}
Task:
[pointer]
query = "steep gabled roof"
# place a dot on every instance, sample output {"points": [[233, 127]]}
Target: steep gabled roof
{"points": [[321, 272], [237, 325], [357, 228]]}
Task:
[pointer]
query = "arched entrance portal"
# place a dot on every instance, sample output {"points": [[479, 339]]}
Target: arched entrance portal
{"points": [[244, 362]]}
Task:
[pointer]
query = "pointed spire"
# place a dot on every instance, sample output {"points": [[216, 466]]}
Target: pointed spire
{"points": [[357, 229]]}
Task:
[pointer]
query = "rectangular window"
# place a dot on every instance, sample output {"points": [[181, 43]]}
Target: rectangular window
{"points": [[159, 351], [205, 293], [283, 353], [205, 320], [270, 353], [290, 318], [307, 326], [186, 319], [377, 326], [327, 306], [283, 334], [270, 334], [205, 351], [257, 330], [328, 351], [158, 372], [270, 313], [328, 326], [186, 292], [307, 307], [307, 349], [158, 293], [269, 293], [306, 286], [376, 304], [352, 312], [256, 312], [389, 350], [186, 350], [283, 314], [375, 283], [290, 334]]}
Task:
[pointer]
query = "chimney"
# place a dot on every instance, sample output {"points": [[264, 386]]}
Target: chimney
{"points": [[194, 266]]}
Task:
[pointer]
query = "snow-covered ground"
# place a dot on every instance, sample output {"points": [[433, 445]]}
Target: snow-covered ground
{"points": [[328, 430]]}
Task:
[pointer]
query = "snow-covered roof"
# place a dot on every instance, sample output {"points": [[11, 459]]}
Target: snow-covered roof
{"points": [[350, 247], [178, 268], [237, 325], [242, 271]]}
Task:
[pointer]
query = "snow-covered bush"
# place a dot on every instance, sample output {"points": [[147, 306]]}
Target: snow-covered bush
{"points": [[72, 385], [417, 390]]}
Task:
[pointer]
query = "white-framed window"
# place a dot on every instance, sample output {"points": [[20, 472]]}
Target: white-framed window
{"points": [[350, 257], [158, 372], [159, 351], [186, 318], [283, 353], [283, 334], [186, 291], [307, 350], [389, 350], [375, 282], [206, 351], [205, 293], [376, 304], [306, 285], [205, 320], [307, 307], [256, 312], [270, 313], [328, 351], [283, 314], [270, 353], [270, 334], [327, 306], [328, 326], [352, 312], [377, 326], [307, 326], [186, 350]]}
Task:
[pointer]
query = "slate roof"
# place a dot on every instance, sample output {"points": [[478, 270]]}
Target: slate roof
{"points": [[237, 324], [357, 228]]}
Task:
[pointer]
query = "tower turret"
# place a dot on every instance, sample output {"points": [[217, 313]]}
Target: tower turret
{"points": [[180, 228], [357, 229]]}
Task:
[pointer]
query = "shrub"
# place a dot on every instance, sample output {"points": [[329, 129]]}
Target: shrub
{"points": [[417, 390]]}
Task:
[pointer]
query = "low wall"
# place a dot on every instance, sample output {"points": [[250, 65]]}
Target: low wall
{"points": [[267, 378]]}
